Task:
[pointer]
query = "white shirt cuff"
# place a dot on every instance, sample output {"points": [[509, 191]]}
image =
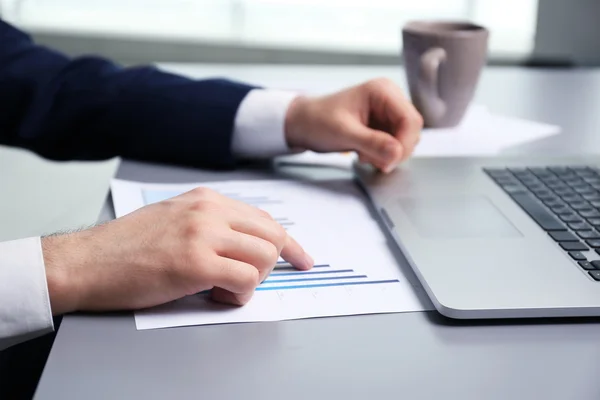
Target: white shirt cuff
{"points": [[25, 310], [259, 130]]}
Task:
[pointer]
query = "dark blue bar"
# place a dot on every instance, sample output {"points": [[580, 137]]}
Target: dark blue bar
{"points": [[334, 271], [263, 288], [314, 279]]}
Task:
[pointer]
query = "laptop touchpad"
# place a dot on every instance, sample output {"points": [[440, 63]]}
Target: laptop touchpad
{"points": [[453, 217]]}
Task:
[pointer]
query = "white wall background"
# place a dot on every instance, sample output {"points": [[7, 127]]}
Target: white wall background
{"points": [[357, 26]]}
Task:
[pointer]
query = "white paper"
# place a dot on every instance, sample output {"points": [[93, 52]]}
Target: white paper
{"points": [[356, 271], [481, 133]]}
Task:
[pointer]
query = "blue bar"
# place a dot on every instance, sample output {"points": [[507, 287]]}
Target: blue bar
{"points": [[290, 268], [335, 271], [317, 285], [314, 279]]}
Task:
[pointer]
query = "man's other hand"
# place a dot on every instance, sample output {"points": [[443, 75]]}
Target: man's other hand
{"points": [[194, 242], [374, 119]]}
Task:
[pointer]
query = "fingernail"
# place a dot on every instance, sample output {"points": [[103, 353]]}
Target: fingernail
{"points": [[390, 168], [308, 260]]}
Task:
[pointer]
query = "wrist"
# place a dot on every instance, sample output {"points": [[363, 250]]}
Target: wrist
{"points": [[62, 256], [296, 121]]}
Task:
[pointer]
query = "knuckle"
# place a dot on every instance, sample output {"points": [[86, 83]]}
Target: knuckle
{"points": [[279, 236], [418, 120], [201, 192], [264, 214], [379, 143], [203, 205], [381, 83], [194, 228], [198, 205], [270, 255], [250, 281]]}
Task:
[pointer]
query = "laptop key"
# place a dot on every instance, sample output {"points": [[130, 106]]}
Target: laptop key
{"points": [[580, 205], [590, 213], [594, 221], [588, 235], [553, 202], [497, 171], [561, 210], [514, 189], [575, 182], [545, 194], [580, 226], [564, 191], [577, 256], [573, 246], [596, 264], [572, 198], [586, 265], [535, 186], [559, 170], [591, 196], [595, 203], [585, 190], [518, 170], [595, 275], [543, 217], [509, 180], [593, 243], [570, 218], [563, 236], [579, 168]]}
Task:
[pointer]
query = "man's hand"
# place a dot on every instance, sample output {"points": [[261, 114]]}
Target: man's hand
{"points": [[197, 241], [374, 119]]}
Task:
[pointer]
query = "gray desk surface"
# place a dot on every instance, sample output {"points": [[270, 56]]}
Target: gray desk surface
{"points": [[413, 355]]}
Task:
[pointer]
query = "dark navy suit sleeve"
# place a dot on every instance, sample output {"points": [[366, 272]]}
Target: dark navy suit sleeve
{"points": [[89, 108]]}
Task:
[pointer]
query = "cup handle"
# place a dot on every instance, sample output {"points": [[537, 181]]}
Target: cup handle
{"points": [[433, 107]]}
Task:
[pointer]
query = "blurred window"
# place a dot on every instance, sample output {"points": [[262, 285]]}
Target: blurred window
{"points": [[363, 26]]}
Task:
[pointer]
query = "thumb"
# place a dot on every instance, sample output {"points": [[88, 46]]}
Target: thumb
{"points": [[377, 147]]}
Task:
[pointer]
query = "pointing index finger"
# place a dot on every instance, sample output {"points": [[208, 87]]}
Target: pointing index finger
{"points": [[293, 253]]}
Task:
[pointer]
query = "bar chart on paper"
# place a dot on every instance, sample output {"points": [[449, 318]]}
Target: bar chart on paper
{"points": [[354, 273]]}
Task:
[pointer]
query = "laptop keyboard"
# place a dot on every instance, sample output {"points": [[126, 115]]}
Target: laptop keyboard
{"points": [[564, 201]]}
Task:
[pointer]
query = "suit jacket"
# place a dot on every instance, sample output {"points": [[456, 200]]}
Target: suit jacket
{"points": [[90, 108]]}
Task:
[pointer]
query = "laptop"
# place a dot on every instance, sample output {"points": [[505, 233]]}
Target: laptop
{"points": [[497, 237]]}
